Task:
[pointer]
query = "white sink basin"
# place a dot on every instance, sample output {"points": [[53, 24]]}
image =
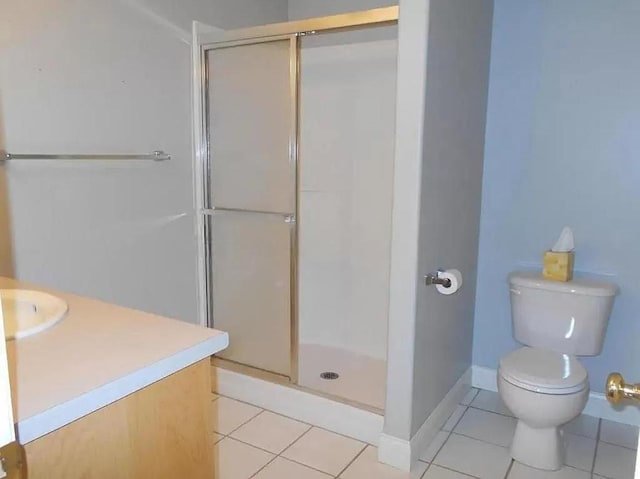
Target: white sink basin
{"points": [[26, 312]]}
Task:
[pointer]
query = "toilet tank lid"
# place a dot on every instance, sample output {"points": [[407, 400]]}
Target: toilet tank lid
{"points": [[532, 279]]}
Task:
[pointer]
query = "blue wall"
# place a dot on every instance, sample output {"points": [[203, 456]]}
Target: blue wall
{"points": [[563, 148]]}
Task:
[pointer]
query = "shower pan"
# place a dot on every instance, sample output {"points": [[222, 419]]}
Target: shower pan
{"points": [[293, 168]]}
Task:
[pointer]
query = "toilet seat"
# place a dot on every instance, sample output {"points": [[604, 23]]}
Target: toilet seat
{"points": [[543, 371]]}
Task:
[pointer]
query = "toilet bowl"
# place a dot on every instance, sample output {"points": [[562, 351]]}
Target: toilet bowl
{"points": [[542, 383], [544, 390]]}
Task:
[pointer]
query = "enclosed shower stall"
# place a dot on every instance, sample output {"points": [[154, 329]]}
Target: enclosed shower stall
{"points": [[294, 176]]}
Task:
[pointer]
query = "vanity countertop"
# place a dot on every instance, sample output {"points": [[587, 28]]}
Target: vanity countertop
{"points": [[97, 355]]}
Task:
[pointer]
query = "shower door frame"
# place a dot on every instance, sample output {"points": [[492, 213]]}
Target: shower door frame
{"points": [[209, 210], [202, 44]]}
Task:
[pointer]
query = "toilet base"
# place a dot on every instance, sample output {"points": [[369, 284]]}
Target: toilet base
{"points": [[539, 448]]}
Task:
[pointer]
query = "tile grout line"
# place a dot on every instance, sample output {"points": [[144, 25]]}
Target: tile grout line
{"points": [[300, 437], [595, 451], [435, 456], [271, 452], [449, 434], [250, 445], [280, 454], [247, 421], [353, 460], [512, 462], [473, 398], [307, 465], [584, 436], [365, 445], [247, 403], [266, 450], [310, 427], [506, 475], [304, 465], [337, 434], [275, 456], [296, 439], [452, 470], [572, 433], [466, 408], [294, 419], [618, 445], [439, 449], [229, 436], [262, 410], [298, 462], [491, 411], [479, 440], [453, 431], [263, 467]]}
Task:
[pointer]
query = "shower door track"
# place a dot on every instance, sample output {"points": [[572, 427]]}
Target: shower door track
{"points": [[378, 17]]}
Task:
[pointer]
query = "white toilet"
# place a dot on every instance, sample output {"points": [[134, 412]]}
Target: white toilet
{"points": [[543, 384]]}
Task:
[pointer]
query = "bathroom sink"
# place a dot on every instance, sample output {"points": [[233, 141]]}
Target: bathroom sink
{"points": [[26, 312]]}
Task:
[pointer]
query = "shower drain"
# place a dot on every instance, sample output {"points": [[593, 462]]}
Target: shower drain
{"points": [[330, 375]]}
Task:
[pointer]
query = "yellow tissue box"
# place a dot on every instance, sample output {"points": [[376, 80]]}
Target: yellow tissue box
{"points": [[557, 266]]}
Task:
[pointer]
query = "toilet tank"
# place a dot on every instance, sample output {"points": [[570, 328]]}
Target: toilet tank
{"points": [[567, 317]]}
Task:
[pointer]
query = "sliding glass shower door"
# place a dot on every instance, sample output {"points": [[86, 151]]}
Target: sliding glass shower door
{"points": [[252, 198]]}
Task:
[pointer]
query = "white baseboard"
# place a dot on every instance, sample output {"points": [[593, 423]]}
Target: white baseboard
{"points": [[484, 378], [394, 451], [401, 453], [597, 405], [319, 411]]}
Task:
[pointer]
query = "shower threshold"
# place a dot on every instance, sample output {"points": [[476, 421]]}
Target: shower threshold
{"points": [[314, 387]]}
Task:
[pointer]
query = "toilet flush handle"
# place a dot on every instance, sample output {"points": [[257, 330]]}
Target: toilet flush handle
{"points": [[617, 389]]}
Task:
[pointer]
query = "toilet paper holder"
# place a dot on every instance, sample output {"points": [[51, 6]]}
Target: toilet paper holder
{"points": [[434, 278]]}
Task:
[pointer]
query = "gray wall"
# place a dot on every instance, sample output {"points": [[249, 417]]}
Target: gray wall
{"points": [[243, 13], [104, 76], [225, 14], [563, 135], [6, 243], [442, 96], [454, 126]]}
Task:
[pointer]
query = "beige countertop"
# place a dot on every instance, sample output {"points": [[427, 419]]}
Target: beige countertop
{"points": [[98, 354]]}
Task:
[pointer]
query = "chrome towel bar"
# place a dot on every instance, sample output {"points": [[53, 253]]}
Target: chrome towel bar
{"points": [[157, 155]]}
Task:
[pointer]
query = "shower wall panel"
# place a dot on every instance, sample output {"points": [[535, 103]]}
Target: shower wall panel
{"points": [[346, 164]]}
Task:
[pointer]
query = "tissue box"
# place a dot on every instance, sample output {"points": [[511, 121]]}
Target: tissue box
{"points": [[557, 266]]}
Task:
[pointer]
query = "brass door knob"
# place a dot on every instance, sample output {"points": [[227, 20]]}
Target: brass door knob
{"points": [[617, 389]]}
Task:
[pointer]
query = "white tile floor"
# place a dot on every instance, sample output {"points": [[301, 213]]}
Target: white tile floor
{"points": [[251, 443]]}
